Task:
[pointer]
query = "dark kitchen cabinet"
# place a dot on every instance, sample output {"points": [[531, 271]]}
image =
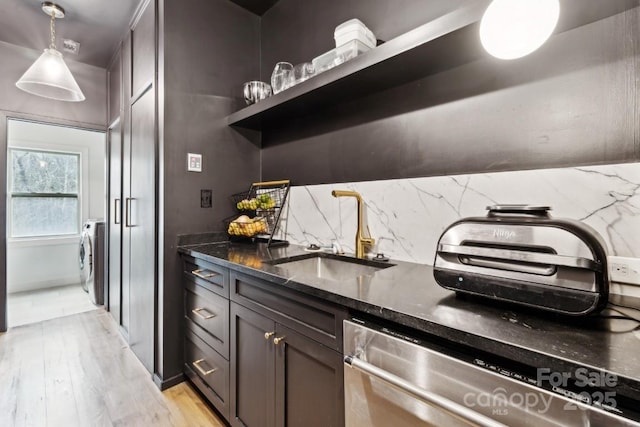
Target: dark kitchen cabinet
{"points": [[183, 32], [280, 374], [132, 190], [309, 382], [115, 88], [139, 177], [279, 377], [207, 370], [140, 228], [253, 375], [115, 221], [206, 346], [262, 354], [126, 181], [316, 319], [143, 41], [119, 158], [114, 199]]}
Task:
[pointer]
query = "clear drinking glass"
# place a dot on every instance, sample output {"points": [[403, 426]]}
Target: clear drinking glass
{"points": [[302, 72], [282, 77]]}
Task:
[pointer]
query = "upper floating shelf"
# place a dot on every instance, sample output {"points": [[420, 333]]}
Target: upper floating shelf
{"points": [[259, 7], [444, 43]]}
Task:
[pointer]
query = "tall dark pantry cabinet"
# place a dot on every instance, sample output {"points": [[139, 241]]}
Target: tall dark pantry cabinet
{"points": [[177, 76], [132, 186]]}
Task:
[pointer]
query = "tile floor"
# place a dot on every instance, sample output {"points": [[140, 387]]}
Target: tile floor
{"points": [[43, 304]]}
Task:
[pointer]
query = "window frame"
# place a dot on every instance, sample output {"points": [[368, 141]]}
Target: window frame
{"points": [[83, 179]]}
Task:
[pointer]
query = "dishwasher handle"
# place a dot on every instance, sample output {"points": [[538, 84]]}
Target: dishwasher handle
{"points": [[452, 408]]}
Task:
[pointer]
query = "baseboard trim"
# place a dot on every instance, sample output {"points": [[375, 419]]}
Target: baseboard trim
{"points": [[163, 384]]}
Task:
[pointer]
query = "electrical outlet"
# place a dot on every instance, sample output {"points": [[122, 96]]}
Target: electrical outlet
{"points": [[624, 270], [205, 198]]}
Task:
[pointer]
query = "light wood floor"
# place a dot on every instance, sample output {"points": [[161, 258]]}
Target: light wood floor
{"points": [[78, 371], [42, 304]]}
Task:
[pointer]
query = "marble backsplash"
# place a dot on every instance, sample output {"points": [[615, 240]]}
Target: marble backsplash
{"points": [[407, 216]]}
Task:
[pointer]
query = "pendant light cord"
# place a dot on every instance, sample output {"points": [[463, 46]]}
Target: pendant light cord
{"points": [[53, 31]]}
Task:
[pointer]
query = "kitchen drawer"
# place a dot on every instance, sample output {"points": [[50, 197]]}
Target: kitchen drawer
{"points": [[309, 316], [208, 316], [208, 370], [210, 276]]}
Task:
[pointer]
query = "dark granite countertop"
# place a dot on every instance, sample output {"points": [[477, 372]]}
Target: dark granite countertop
{"points": [[407, 293]]}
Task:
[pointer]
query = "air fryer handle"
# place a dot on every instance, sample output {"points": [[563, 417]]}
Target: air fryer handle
{"points": [[528, 210], [521, 256]]}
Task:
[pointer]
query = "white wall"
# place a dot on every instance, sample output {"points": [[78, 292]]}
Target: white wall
{"points": [[407, 216], [36, 263]]}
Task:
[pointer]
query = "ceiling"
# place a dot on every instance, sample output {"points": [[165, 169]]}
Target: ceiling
{"points": [[98, 25]]}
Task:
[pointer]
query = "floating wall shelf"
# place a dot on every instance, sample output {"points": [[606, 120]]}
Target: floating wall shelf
{"points": [[259, 7], [444, 43]]}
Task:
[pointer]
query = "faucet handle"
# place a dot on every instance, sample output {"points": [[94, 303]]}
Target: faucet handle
{"points": [[369, 241], [369, 232]]}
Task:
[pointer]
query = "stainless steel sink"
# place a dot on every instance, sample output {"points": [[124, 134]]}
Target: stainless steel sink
{"points": [[327, 266]]}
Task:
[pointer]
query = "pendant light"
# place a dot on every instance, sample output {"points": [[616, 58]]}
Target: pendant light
{"points": [[49, 76], [512, 29]]}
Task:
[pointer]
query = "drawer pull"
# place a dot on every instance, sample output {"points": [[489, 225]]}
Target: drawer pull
{"points": [[204, 274], [278, 340], [196, 365], [268, 335], [205, 316]]}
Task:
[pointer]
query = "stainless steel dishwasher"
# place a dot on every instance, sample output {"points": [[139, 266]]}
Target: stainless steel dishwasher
{"points": [[395, 380]]}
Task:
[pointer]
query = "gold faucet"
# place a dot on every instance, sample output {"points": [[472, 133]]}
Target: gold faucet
{"points": [[362, 241]]}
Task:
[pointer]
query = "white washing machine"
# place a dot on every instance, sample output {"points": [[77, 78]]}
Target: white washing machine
{"points": [[92, 259]]}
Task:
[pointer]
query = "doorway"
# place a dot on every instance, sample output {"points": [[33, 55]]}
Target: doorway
{"points": [[55, 182]]}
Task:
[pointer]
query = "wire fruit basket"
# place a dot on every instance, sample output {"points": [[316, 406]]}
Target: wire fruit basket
{"points": [[260, 210]]}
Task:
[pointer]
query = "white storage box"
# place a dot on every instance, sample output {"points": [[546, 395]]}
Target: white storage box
{"points": [[339, 55], [354, 29]]}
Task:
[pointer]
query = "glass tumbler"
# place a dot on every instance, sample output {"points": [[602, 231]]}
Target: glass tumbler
{"points": [[302, 72], [282, 77]]}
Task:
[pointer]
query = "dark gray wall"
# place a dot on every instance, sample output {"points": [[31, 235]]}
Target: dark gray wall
{"points": [[210, 48], [297, 31], [91, 113], [573, 102]]}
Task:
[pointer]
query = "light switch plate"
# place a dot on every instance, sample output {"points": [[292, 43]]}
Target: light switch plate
{"points": [[194, 162]]}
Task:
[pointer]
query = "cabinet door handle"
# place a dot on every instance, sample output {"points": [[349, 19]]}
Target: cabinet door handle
{"points": [[278, 340], [268, 335], [127, 209], [196, 365], [116, 211], [204, 274], [205, 316]]}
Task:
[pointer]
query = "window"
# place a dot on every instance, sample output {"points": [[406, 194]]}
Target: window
{"points": [[44, 193]]}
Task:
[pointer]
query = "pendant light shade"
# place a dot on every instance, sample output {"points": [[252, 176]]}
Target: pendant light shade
{"points": [[49, 76], [512, 29]]}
